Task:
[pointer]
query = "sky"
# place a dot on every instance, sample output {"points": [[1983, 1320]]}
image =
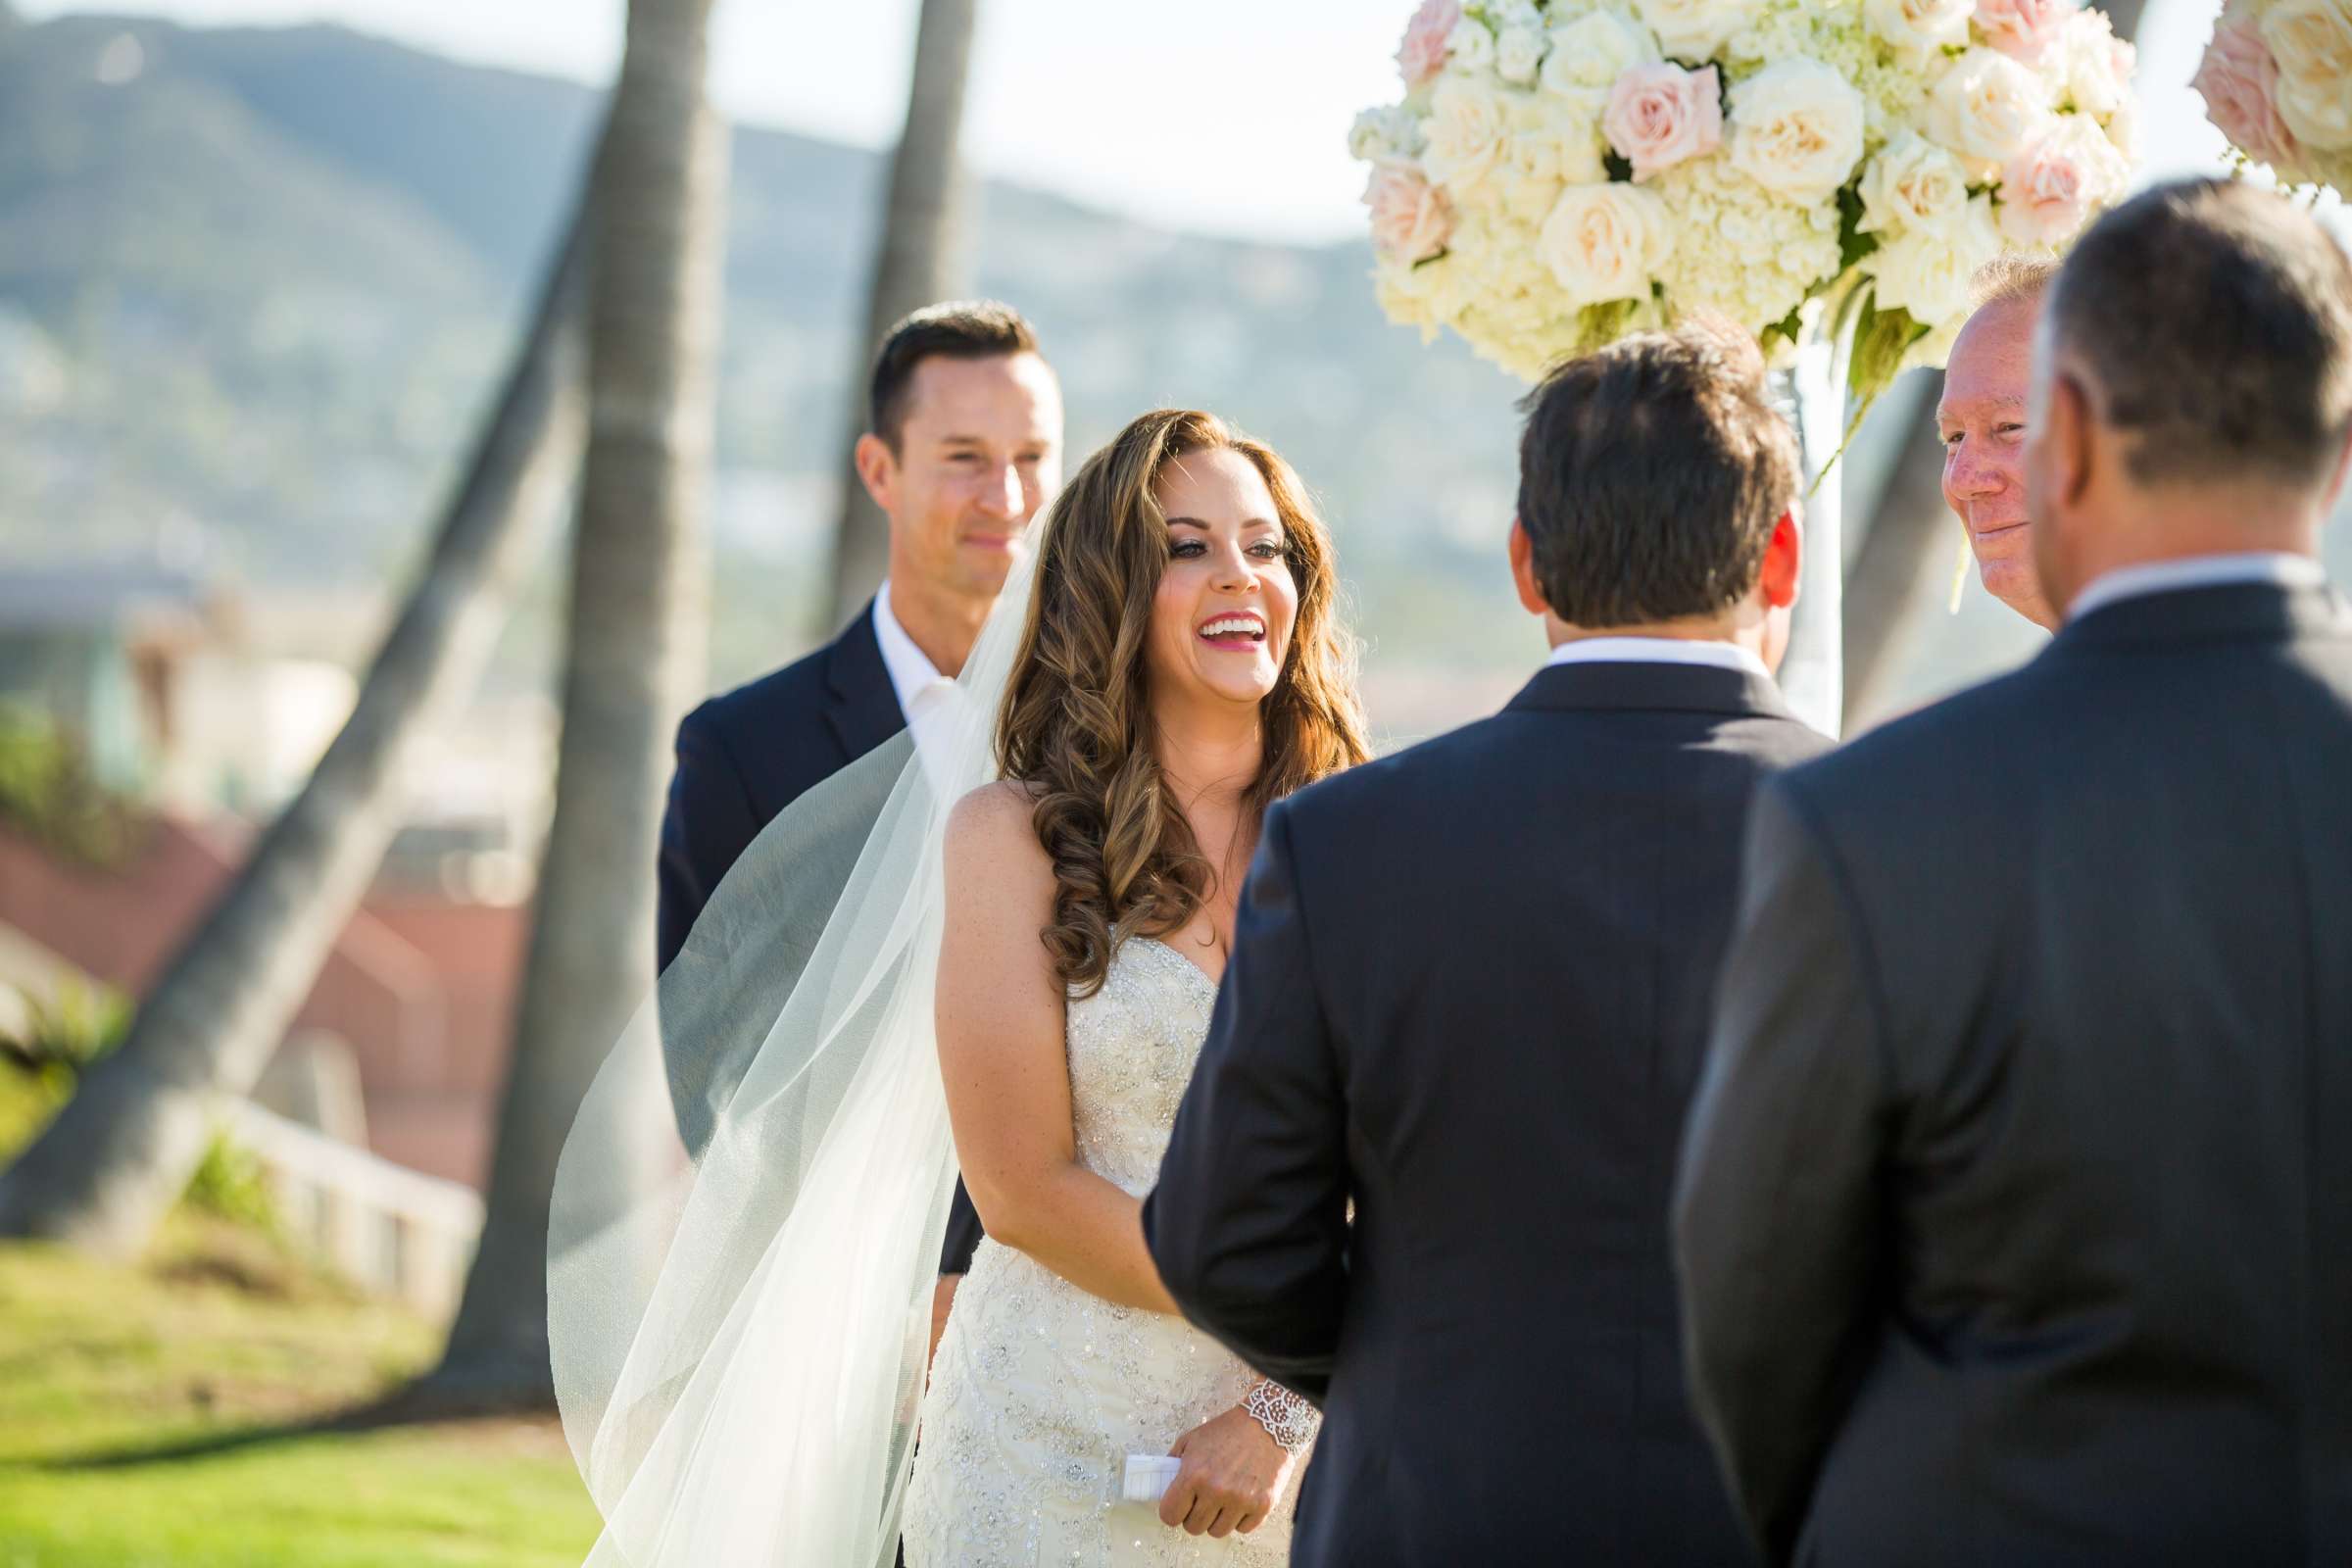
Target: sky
{"points": [[1224, 115]]}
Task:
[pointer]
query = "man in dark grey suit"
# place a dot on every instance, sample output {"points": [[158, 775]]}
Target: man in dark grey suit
{"points": [[2015, 1220], [1469, 993]]}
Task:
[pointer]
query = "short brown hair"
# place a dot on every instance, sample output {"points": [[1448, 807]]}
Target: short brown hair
{"points": [[1650, 475], [2215, 321], [960, 329]]}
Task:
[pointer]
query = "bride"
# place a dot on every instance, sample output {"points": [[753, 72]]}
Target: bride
{"points": [[1027, 938], [1181, 667]]}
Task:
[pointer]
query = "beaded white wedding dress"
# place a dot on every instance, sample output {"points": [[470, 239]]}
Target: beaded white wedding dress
{"points": [[1040, 1389]]}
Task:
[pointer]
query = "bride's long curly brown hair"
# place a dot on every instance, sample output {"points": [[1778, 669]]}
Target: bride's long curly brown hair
{"points": [[1076, 725]]}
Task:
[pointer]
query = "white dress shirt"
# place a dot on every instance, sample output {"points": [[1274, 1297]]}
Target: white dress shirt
{"points": [[2198, 572], [1657, 651], [928, 698]]}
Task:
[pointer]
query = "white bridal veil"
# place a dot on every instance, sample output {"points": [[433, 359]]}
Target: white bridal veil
{"points": [[739, 1342]]}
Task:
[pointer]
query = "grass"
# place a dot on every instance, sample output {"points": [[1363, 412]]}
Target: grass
{"points": [[174, 1415]]}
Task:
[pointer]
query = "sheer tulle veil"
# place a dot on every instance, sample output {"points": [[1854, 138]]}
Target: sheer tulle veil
{"points": [[739, 1339]]}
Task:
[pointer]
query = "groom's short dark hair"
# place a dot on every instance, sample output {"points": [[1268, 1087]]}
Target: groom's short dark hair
{"points": [[1650, 475], [959, 329]]}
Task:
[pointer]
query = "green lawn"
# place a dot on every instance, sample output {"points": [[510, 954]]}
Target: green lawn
{"points": [[154, 1417]]}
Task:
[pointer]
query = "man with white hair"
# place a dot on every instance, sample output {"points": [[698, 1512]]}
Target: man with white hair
{"points": [[1982, 420]]}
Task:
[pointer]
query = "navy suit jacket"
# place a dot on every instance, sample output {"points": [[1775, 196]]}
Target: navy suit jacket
{"points": [[743, 758], [1469, 993]]}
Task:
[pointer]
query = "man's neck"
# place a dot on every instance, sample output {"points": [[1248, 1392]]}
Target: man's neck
{"points": [[2155, 529], [942, 624]]}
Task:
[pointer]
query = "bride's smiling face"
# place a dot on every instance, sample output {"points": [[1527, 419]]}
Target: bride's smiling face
{"points": [[1221, 621]]}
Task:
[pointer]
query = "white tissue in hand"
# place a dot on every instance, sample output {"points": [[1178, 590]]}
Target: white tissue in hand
{"points": [[1148, 1477]]}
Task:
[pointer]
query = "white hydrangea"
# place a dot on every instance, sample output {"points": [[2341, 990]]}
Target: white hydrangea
{"points": [[1744, 252], [1384, 136]]}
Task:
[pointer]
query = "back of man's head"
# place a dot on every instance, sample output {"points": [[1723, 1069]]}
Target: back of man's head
{"points": [[1651, 476], [2211, 323]]}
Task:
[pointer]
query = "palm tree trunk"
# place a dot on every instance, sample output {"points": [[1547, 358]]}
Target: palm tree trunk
{"points": [[638, 634], [1892, 588], [122, 1148], [921, 261]]}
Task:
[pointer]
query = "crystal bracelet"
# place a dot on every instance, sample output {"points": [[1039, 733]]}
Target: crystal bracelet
{"points": [[1288, 1419]]}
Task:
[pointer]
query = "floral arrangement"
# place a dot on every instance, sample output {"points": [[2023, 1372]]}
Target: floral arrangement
{"points": [[1561, 173], [2276, 80]]}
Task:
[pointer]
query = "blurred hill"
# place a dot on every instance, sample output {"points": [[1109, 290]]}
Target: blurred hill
{"points": [[254, 282]]}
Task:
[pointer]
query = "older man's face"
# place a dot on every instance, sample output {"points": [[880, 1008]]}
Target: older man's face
{"points": [[1983, 421]]}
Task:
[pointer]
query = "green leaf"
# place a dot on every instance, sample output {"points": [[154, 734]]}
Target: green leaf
{"points": [[1880, 340], [1852, 243], [1599, 325], [1786, 328]]}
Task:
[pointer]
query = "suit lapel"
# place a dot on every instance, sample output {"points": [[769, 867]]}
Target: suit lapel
{"points": [[861, 708]]}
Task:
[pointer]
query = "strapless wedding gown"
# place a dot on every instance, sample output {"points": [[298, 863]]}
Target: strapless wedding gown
{"points": [[1040, 1391]]}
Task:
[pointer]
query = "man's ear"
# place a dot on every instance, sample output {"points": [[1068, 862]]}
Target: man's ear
{"points": [[877, 468], [1522, 571], [1784, 557], [2069, 436]]}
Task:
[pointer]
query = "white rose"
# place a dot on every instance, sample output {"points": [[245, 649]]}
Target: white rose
{"points": [[2098, 63], [1693, 29], [1469, 48], [1916, 30], [1796, 130], [1384, 136], [1468, 124], [1519, 55], [1986, 108], [2123, 130], [1591, 52], [1607, 242], [1515, 14], [2312, 41], [1913, 185], [1929, 273]]}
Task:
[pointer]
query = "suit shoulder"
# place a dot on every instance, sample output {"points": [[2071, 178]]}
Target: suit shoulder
{"points": [[1427, 766], [1927, 762], [794, 694]]}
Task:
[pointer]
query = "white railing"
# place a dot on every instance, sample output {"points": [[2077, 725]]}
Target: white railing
{"points": [[389, 1229]]}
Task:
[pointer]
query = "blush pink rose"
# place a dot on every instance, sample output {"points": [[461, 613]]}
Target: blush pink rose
{"points": [[2239, 82], [1422, 55], [2049, 191], [2023, 29], [1411, 220], [1660, 115]]}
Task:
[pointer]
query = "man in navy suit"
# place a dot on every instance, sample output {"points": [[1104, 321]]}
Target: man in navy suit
{"points": [[1468, 998], [963, 447]]}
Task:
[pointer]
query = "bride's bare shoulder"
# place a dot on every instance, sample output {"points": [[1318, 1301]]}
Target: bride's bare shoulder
{"points": [[991, 832]]}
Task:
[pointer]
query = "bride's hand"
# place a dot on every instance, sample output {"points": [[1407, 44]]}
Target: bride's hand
{"points": [[1232, 1477]]}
